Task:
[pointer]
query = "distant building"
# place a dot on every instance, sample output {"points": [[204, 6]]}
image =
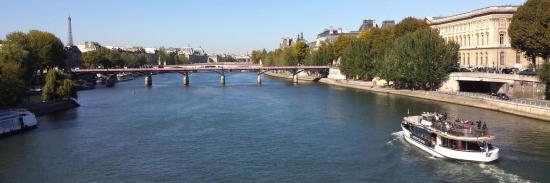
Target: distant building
{"points": [[89, 46], [198, 56], [387, 24], [368, 24], [286, 42], [74, 55], [483, 37], [329, 35]]}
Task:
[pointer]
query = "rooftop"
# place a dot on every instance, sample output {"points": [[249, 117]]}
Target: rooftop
{"points": [[507, 9]]}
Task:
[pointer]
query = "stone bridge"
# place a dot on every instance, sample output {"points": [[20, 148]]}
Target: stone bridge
{"points": [[520, 86]]}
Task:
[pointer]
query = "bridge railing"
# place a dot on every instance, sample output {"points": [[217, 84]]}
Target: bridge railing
{"points": [[199, 68], [514, 77]]}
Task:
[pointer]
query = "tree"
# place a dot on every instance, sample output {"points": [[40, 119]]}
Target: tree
{"points": [[358, 60], [530, 29], [340, 45], [324, 55], [544, 75], [47, 48], [419, 60], [299, 51], [12, 85], [256, 56], [183, 59], [15, 54], [97, 58], [409, 25], [58, 86]]}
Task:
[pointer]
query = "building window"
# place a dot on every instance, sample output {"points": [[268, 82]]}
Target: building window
{"points": [[501, 38], [476, 59], [487, 39], [518, 57], [502, 58], [482, 39], [487, 59], [481, 58], [468, 59]]}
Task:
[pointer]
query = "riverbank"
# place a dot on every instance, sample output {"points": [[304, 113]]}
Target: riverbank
{"points": [[502, 106], [43, 108], [496, 105], [284, 75]]}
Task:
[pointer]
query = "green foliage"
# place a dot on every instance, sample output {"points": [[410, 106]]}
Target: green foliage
{"points": [[323, 56], [58, 86], [410, 25], [299, 52], [15, 54], [419, 60], [258, 55], [47, 49], [358, 60], [226, 58], [294, 55], [12, 85], [530, 29], [108, 58], [544, 75], [340, 45], [35, 50]]}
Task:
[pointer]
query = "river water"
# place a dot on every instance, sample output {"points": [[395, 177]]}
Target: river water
{"points": [[242, 132]]}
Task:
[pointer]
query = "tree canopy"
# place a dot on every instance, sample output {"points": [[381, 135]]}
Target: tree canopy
{"points": [[108, 58], [419, 60], [530, 29], [35, 50], [58, 86], [12, 85], [410, 25]]}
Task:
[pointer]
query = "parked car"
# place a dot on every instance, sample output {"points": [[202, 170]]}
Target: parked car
{"points": [[528, 72], [503, 96], [500, 96]]}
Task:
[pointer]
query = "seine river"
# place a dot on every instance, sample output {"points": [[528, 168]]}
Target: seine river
{"points": [[242, 132]]}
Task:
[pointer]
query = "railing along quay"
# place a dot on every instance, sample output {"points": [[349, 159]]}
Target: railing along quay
{"points": [[516, 101]]}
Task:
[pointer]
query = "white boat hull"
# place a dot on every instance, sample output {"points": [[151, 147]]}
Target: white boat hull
{"points": [[442, 152], [16, 121]]}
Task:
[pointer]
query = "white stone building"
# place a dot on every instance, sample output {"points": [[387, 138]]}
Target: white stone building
{"points": [[483, 37]]}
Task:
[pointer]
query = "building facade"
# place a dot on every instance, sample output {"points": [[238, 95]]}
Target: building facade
{"points": [[368, 24], [329, 35], [483, 37], [387, 24]]}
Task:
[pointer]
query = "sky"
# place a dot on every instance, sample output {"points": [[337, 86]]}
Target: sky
{"points": [[218, 26]]}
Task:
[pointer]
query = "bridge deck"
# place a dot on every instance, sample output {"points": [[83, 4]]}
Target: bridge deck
{"points": [[199, 68]]}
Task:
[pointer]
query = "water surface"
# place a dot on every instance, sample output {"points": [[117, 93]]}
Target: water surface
{"points": [[243, 132]]}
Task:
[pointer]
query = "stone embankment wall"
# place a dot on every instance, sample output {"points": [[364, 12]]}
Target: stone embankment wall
{"points": [[51, 107], [304, 76], [503, 106]]}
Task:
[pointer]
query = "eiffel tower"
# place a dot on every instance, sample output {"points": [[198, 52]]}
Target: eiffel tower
{"points": [[70, 39]]}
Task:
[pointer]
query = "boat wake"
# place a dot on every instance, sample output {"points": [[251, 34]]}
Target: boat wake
{"points": [[500, 174], [395, 136]]}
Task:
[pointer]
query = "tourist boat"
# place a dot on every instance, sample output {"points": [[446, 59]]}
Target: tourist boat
{"points": [[16, 120], [453, 139]]}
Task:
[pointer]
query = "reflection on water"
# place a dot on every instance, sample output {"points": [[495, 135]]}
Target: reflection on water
{"points": [[274, 132]]}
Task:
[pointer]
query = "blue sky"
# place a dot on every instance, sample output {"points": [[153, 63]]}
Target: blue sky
{"points": [[218, 26]]}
